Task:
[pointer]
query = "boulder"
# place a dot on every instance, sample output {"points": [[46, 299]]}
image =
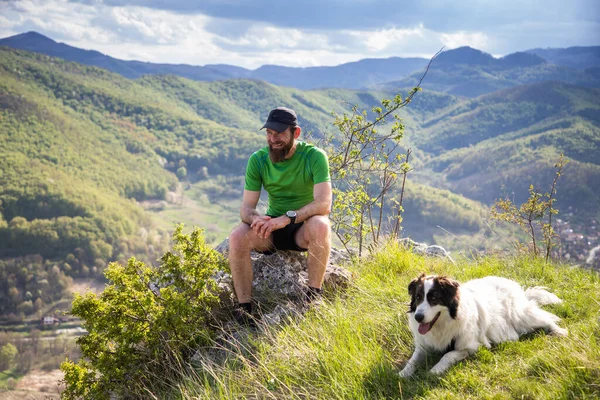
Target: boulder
{"points": [[425, 250], [281, 279]]}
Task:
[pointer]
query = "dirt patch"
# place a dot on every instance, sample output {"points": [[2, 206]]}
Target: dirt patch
{"points": [[37, 384]]}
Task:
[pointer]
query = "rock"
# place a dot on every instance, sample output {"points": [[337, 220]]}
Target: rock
{"points": [[425, 250], [281, 313], [283, 274]]}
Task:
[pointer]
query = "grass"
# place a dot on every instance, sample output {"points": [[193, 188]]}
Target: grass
{"points": [[218, 218], [353, 345], [9, 378]]}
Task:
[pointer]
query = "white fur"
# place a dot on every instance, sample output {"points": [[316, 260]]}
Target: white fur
{"points": [[491, 310]]}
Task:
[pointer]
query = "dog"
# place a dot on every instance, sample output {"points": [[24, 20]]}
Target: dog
{"points": [[456, 319]]}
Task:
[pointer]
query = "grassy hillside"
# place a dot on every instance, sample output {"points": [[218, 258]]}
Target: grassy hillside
{"points": [[353, 345]]}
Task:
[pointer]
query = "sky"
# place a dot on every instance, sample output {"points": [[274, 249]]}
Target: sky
{"points": [[251, 33]]}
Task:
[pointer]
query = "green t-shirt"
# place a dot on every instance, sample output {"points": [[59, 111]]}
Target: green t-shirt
{"points": [[289, 183]]}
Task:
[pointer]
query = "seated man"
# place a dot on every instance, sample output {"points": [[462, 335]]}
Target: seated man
{"points": [[296, 177]]}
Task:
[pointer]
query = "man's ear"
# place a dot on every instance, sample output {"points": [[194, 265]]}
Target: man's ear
{"points": [[297, 132]]}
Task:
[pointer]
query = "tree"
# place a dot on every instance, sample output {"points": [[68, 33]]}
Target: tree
{"points": [[8, 354], [530, 215], [147, 323], [365, 164]]}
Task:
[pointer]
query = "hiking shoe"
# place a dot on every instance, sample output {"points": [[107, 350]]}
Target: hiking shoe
{"points": [[244, 318], [312, 297]]}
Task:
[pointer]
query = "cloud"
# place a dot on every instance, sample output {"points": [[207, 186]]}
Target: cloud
{"points": [[477, 40], [308, 33], [439, 15]]}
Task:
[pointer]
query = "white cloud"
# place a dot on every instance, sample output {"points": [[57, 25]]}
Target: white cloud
{"points": [[272, 38], [477, 40], [386, 39]]}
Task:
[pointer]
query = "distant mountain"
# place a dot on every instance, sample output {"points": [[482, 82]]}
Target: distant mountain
{"points": [[573, 57], [354, 75], [470, 73], [33, 41], [463, 71]]}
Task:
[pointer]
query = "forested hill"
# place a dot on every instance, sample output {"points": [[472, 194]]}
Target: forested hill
{"points": [[498, 144], [82, 148]]}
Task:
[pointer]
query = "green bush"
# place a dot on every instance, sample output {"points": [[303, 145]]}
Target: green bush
{"points": [[147, 322], [8, 354]]}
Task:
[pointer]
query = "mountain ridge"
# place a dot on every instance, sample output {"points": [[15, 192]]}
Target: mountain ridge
{"points": [[389, 72]]}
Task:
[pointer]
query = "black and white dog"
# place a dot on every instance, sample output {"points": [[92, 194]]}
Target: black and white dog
{"points": [[457, 318]]}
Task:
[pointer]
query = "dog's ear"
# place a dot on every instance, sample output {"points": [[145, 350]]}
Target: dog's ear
{"points": [[451, 293], [412, 286]]}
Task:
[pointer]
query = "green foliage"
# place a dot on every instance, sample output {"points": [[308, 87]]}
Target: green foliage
{"points": [[181, 172], [364, 165], [30, 280], [146, 323], [533, 212], [8, 355]]}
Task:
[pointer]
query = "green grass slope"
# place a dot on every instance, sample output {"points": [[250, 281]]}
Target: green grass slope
{"points": [[353, 345]]}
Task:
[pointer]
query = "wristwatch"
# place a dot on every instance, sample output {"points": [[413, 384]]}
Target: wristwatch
{"points": [[291, 215]]}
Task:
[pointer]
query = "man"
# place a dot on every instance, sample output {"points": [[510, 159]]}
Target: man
{"points": [[296, 178]]}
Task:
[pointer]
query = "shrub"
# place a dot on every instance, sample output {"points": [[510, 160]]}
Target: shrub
{"points": [[8, 354], [146, 323]]}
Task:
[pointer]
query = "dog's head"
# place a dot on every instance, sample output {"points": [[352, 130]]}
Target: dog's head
{"points": [[430, 296]]}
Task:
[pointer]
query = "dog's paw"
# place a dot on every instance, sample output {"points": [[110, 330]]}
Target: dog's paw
{"points": [[560, 332], [406, 372], [437, 370]]}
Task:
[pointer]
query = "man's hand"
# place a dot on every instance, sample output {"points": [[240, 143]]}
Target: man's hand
{"points": [[263, 226]]}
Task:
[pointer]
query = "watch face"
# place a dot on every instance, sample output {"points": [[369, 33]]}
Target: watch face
{"points": [[291, 214]]}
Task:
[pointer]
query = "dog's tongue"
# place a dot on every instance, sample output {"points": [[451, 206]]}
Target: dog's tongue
{"points": [[424, 328]]}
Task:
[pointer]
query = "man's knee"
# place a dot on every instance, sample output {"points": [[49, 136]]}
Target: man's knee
{"points": [[238, 239], [318, 227]]}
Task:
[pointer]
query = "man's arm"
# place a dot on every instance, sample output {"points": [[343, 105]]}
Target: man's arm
{"points": [[321, 205], [248, 211]]}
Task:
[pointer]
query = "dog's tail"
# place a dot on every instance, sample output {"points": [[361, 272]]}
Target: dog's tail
{"points": [[541, 296]]}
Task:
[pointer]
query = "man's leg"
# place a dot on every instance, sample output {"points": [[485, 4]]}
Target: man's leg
{"points": [[241, 241], [315, 235]]}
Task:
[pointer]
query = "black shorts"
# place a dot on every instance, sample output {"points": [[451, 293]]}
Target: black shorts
{"points": [[283, 239]]}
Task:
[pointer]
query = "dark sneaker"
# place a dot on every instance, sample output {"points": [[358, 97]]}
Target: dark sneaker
{"points": [[244, 318], [312, 297]]}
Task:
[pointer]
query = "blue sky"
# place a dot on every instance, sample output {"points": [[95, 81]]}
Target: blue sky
{"points": [[251, 33]]}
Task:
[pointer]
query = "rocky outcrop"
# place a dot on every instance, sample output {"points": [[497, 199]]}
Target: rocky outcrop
{"points": [[423, 249], [280, 280]]}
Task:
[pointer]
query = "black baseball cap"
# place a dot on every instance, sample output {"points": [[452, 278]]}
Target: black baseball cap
{"points": [[280, 118]]}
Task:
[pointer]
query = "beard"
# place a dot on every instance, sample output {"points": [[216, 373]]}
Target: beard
{"points": [[279, 155]]}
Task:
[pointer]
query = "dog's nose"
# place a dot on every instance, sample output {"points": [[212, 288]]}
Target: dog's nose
{"points": [[419, 317]]}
